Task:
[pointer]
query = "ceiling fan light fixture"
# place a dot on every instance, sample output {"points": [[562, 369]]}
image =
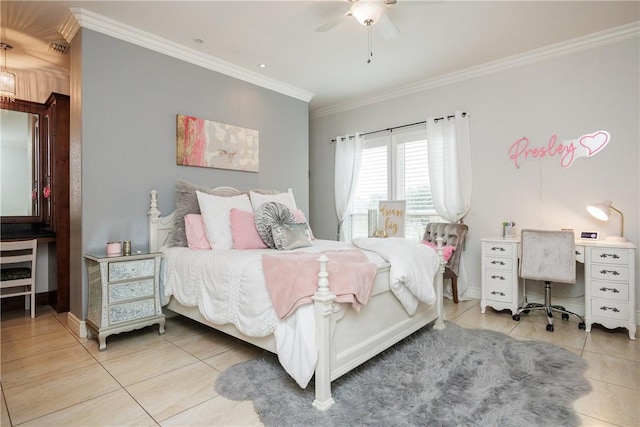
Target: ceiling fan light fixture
{"points": [[367, 12]]}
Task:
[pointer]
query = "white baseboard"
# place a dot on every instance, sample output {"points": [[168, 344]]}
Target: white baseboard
{"points": [[77, 326], [473, 293]]}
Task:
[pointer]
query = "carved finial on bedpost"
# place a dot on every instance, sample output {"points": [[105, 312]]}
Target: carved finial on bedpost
{"points": [[153, 214], [439, 324], [322, 302]]}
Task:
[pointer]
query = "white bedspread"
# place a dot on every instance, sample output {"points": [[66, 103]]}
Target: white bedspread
{"points": [[229, 287], [413, 268]]}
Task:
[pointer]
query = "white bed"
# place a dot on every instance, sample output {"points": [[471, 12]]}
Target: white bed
{"points": [[344, 338]]}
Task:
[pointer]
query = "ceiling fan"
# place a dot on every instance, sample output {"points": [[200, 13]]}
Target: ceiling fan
{"points": [[368, 13]]}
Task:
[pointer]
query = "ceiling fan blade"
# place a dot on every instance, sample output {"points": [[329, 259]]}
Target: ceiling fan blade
{"points": [[386, 28], [332, 23]]}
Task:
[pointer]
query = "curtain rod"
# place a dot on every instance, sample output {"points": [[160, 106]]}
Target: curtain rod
{"points": [[403, 126]]}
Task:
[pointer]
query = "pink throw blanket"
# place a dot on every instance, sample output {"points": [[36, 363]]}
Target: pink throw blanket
{"points": [[292, 278]]}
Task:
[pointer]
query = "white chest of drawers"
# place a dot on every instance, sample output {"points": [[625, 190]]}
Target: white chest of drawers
{"points": [[500, 285], [610, 287], [123, 294]]}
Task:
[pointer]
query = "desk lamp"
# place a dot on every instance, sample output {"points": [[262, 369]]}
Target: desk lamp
{"points": [[601, 211]]}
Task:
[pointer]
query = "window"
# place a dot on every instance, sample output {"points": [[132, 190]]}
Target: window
{"points": [[394, 167]]}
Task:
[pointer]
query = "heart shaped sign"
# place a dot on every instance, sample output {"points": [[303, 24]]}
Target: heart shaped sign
{"points": [[595, 142]]}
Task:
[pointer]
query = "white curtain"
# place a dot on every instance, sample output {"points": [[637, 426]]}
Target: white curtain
{"points": [[347, 168], [449, 152]]}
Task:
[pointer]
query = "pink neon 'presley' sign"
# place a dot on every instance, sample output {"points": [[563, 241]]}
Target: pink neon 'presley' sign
{"points": [[568, 151]]}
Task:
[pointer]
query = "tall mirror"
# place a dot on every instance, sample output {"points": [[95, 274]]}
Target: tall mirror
{"points": [[21, 162]]}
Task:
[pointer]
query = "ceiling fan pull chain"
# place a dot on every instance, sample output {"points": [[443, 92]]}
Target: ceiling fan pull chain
{"points": [[370, 42]]}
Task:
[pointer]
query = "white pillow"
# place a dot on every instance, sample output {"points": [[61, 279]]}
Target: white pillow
{"points": [[286, 199], [215, 215]]}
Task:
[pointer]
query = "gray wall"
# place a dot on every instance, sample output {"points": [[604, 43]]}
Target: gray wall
{"points": [[567, 96], [128, 99]]}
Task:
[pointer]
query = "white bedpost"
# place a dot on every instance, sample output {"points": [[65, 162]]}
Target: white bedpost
{"points": [[153, 214], [439, 324], [323, 301]]}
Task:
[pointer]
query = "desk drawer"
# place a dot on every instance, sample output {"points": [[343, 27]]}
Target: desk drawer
{"points": [[499, 263], [499, 285], [610, 290], [610, 309], [131, 269], [618, 273], [610, 256], [499, 249], [126, 291], [134, 310], [580, 254]]}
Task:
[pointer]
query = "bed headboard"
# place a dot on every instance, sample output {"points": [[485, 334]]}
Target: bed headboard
{"points": [[161, 226]]}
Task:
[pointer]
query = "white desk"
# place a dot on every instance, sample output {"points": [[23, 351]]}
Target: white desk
{"points": [[609, 274]]}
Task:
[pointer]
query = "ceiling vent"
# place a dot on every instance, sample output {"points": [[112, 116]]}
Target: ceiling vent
{"points": [[60, 48]]}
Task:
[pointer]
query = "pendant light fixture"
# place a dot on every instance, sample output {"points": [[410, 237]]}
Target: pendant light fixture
{"points": [[7, 79]]}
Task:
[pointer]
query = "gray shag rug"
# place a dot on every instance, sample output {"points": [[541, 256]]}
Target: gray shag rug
{"points": [[452, 377]]}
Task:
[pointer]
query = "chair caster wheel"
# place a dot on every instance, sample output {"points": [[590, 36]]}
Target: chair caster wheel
{"points": [[582, 326], [516, 317], [550, 328], [565, 316]]}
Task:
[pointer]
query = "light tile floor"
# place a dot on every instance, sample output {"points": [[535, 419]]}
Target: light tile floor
{"points": [[51, 378]]}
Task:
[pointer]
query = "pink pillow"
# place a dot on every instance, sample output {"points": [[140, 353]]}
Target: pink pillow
{"points": [[194, 229], [447, 251], [300, 219], [243, 230]]}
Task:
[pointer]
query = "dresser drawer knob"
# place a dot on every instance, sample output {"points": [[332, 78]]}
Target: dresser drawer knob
{"points": [[614, 290], [605, 272], [498, 248], [498, 277], [614, 256], [498, 262], [615, 310], [497, 293]]}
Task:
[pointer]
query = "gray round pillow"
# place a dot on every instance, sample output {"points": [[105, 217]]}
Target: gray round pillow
{"points": [[269, 215]]}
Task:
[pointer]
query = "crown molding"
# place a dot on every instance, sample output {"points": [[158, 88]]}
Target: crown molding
{"points": [[82, 18], [568, 47]]}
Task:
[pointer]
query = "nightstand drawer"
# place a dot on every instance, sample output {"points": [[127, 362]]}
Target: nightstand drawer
{"points": [[499, 263], [499, 285], [610, 309], [610, 256], [610, 290], [618, 273], [499, 249], [131, 290], [129, 311], [131, 269]]}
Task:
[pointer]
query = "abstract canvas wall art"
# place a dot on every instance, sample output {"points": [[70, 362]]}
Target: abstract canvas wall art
{"points": [[210, 144]]}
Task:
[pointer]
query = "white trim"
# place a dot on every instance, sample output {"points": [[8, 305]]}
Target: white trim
{"points": [[77, 326], [87, 19], [568, 47]]}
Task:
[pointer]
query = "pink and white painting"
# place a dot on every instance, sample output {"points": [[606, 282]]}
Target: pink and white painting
{"points": [[210, 144]]}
